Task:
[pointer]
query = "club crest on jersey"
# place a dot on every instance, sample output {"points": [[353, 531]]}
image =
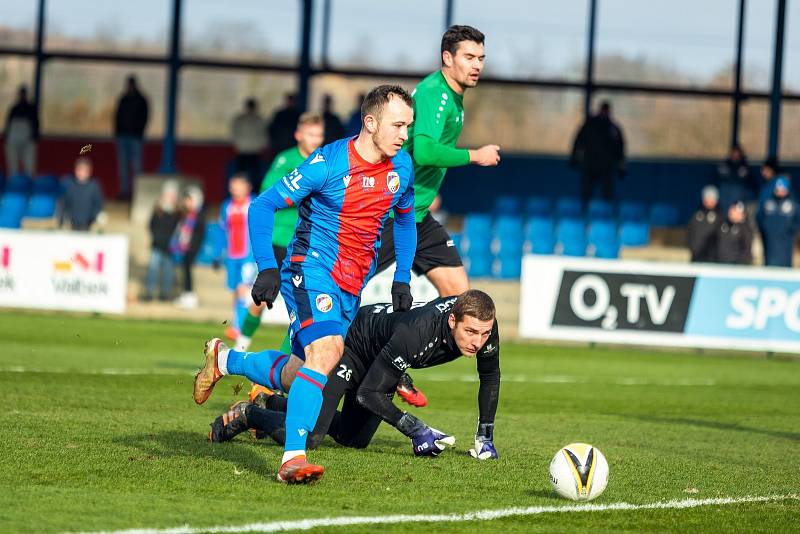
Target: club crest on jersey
{"points": [[324, 303], [393, 181]]}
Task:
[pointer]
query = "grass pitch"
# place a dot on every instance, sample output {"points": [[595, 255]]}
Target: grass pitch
{"points": [[99, 432]]}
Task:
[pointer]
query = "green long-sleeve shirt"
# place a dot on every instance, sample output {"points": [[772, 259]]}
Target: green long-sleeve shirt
{"points": [[285, 219]]}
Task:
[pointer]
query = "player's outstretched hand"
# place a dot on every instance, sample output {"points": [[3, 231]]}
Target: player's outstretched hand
{"points": [[431, 442], [485, 156], [401, 297], [484, 443], [266, 287]]}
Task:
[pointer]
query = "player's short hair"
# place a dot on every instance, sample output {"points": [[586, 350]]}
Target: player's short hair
{"points": [[456, 34], [83, 160], [310, 117], [474, 303], [377, 98]]}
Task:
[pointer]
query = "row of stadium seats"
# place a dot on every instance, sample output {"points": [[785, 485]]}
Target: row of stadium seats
{"points": [[23, 197], [658, 214], [494, 246]]}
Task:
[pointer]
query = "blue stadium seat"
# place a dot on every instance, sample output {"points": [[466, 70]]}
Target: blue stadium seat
{"points": [[632, 211], [478, 265], [540, 236], [213, 246], [19, 183], [569, 207], [507, 205], [663, 214], [539, 207], [634, 233], [604, 238], [508, 235], [12, 209], [600, 209], [47, 184], [507, 266], [456, 237], [571, 237], [477, 233], [41, 206]]}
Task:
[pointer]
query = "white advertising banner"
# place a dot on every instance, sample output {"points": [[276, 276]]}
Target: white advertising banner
{"points": [[63, 271], [378, 289], [661, 304]]}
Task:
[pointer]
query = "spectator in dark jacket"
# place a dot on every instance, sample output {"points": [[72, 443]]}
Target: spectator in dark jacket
{"points": [[354, 122], [163, 222], [769, 170], [283, 124], [704, 227], [735, 238], [779, 220], [334, 129], [129, 125], [21, 134], [186, 241], [734, 180], [599, 152], [82, 201]]}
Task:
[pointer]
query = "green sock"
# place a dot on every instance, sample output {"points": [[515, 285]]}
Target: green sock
{"points": [[250, 324], [286, 346]]}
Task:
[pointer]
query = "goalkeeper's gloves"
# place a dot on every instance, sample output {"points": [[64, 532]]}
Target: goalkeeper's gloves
{"points": [[425, 441], [266, 287], [484, 445]]}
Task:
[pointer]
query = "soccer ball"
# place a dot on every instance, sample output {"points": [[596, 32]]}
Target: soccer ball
{"points": [[579, 472]]}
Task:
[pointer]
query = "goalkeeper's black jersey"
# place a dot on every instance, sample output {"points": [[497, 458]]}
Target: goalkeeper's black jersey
{"points": [[416, 339]]}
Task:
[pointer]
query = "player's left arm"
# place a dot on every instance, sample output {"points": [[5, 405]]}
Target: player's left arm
{"points": [[488, 359], [405, 244]]}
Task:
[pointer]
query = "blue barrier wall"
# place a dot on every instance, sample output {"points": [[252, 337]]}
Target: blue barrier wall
{"points": [[474, 189]]}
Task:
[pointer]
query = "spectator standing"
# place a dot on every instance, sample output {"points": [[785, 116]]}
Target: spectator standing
{"points": [[354, 122], [704, 227], [734, 180], [735, 238], [21, 135], [779, 220], [129, 125], [599, 153], [334, 129], [186, 240], [163, 221], [769, 170], [248, 135], [82, 201], [281, 128]]}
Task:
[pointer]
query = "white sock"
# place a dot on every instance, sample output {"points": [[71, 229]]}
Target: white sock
{"points": [[288, 455], [243, 343], [222, 361]]}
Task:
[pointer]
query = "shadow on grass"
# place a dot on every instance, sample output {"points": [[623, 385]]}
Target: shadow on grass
{"points": [[792, 436], [178, 443]]}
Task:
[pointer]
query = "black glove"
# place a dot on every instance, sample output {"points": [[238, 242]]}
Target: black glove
{"points": [[401, 297], [266, 287]]}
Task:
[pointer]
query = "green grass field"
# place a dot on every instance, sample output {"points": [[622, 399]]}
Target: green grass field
{"points": [[99, 432]]}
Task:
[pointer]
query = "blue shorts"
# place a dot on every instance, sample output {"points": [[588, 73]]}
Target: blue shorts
{"points": [[239, 271], [317, 307]]}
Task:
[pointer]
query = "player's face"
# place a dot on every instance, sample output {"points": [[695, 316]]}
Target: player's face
{"points": [[391, 130], [466, 65], [309, 138], [470, 333], [239, 188], [83, 171]]}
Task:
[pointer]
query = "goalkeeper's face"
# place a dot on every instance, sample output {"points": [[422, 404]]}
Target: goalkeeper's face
{"points": [[466, 65], [389, 131], [470, 333]]}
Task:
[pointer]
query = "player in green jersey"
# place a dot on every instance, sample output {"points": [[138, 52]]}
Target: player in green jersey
{"points": [[438, 120], [309, 133]]}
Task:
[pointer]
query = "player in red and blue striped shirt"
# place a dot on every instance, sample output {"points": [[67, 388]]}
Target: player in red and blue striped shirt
{"points": [[344, 192]]}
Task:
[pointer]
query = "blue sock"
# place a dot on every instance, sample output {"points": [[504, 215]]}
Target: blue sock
{"points": [[263, 367], [305, 401], [239, 313]]}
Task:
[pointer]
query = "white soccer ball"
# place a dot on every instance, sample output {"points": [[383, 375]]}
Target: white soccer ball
{"points": [[579, 472]]}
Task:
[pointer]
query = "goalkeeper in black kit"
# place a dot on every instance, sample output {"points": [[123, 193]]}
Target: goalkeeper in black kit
{"points": [[380, 346]]}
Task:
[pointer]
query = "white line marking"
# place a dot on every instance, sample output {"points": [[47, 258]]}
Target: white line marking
{"points": [[105, 371], [483, 515]]}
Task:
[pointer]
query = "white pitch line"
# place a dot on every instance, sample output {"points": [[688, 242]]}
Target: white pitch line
{"points": [[482, 515]]}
